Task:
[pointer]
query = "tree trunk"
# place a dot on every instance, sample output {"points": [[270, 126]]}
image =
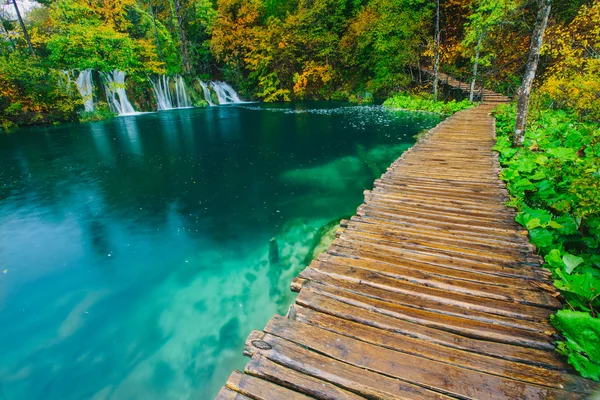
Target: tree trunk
{"points": [[436, 51], [27, 39], [158, 48], [184, 50], [475, 65], [530, 69]]}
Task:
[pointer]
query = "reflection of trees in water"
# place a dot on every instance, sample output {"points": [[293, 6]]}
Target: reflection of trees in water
{"points": [[219, 170]]}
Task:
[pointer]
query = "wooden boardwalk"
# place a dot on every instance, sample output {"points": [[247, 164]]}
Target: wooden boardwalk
{"points": [[482, 94], [431, 291]]}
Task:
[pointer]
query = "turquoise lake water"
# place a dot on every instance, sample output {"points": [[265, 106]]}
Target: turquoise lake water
{"points": [[134, 253]]}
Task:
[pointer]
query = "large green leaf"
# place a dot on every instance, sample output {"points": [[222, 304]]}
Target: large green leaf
{"points": [[571, 262], [582, 344], [541, 237]]}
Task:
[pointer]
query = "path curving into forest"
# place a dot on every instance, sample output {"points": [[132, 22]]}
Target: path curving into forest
{"points": [[431, 290]]}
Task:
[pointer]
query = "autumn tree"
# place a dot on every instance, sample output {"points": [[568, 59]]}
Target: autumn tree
{"points": [[487, 15], [537, 39], [573, 77]]}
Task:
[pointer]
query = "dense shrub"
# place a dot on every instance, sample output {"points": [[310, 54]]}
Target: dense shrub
{"points": [[554, 182], [426, 103]]}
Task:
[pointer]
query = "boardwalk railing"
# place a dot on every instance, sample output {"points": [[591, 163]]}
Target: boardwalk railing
{"points": [[430, 291]]}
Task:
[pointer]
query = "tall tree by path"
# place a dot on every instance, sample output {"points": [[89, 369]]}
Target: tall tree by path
{"points": [[436, 51], [530, 69], [23, 27]]}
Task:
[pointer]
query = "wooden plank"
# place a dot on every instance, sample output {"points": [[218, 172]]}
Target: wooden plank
{"points": [[452, 280], [373, 316], [434, 375], [466, 323], [418, 292], [358, 380], [266, 369], [259, 389], [367, 251], [465, 359], [228, 394]]}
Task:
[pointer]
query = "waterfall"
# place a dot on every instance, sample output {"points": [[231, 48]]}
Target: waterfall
{"points": [[225, 93], [66, 79], [165, 98], [162, 92], [86, 88], [84, 85], [114, 86], [206, 91], [181, 93]]}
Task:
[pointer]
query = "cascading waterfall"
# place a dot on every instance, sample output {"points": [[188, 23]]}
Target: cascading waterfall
{"points": [[206, 92], [181, 93], [66, 79], [86, 88], [83, 83], [164, 94], [225, 93], [114, 86]]}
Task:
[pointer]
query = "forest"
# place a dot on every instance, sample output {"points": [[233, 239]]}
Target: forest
{"points": [[360, 51], [280, 50]]}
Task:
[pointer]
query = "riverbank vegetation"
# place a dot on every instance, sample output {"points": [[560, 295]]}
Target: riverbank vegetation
{"points": [[274, 50], [554, 182], [425, 102]]}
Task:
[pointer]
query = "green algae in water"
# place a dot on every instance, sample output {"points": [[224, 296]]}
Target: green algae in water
{"points": [[137, 250]]}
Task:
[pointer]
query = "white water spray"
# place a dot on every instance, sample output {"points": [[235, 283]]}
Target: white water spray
{"points": [[225, 93], [114, 86], [181, 93], [206, 92], [170, 93], [86, 88]]}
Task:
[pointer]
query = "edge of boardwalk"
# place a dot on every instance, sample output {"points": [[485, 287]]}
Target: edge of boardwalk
{"points": [[430, 291]]}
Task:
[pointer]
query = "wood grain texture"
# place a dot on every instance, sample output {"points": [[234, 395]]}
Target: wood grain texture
{"points": [[431, 291]]}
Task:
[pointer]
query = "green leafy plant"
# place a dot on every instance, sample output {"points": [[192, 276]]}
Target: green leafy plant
{"points": [[554, 182], [426, 103]]}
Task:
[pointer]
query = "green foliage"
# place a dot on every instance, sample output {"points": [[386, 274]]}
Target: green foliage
{"points": [[554, 182], [101, 112], [316, 48], [426, 103], [582, 341], [31, 94]]}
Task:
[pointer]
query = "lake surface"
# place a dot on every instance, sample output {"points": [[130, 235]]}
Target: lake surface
{"points": [[134, 253]]}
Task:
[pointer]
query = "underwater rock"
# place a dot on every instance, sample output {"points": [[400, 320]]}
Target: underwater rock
{"points": [[323, 239]]}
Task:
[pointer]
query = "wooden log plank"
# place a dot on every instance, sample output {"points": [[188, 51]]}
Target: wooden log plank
{"points": [[411, 232], [450, 249], [266, 369], [432, 351], [358, 380], [343, 246], [373, 316], [433, 375], [458, 299], [228, 394], [454, 281], [512, 240], [468, 314], [460, 325], [260, 389]]}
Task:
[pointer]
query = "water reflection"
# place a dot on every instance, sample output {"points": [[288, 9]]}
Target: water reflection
{"points": [[137, 249]]}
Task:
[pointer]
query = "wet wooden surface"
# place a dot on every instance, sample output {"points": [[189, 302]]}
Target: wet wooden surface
{"points": [[431, 291]]}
